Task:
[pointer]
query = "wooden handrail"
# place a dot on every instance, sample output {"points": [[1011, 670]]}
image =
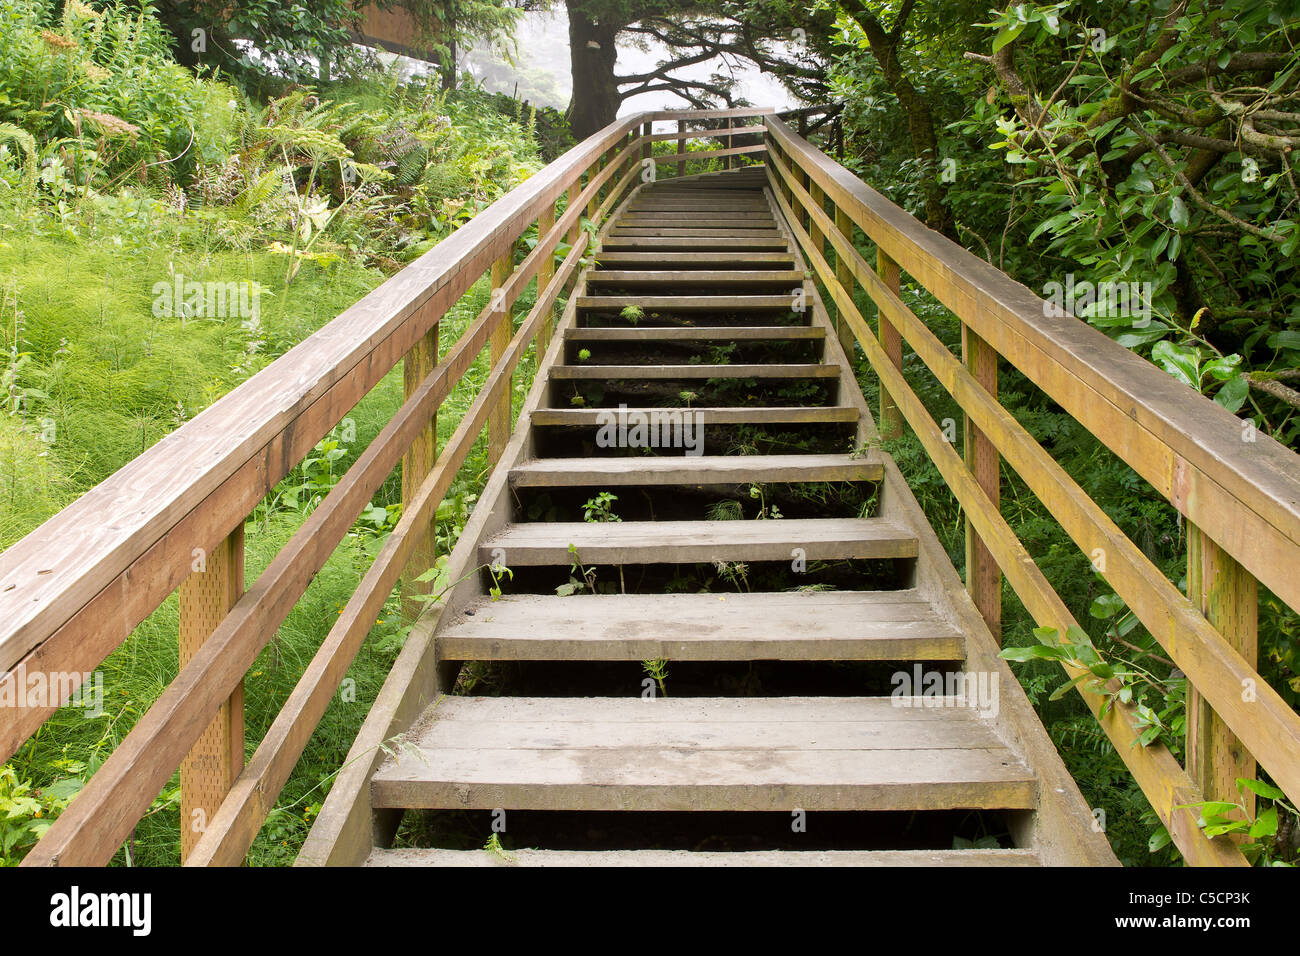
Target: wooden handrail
{"points": [[75, 588], [1067, 359]]}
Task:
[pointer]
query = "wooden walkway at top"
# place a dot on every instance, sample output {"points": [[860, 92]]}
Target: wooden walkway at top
{"points": [[708, 262]]}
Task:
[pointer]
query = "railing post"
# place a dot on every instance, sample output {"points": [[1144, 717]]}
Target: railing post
{"points": [[844, 273], [419, 460], [1228, 596], [499, 417], [983, 577], [681, 147], [726, 124], [647, 130], [594, 202], [891, 419], [545, 272], [209, 770]]}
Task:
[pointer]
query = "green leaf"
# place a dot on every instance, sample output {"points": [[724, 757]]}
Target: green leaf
{"points": [[1178, 212], [1233, 395], [1222, 368], [1159, 840], [1007, 34], [1284, 340], [1106, 606], [1265, 824], [1182, 363], [1138, 337], [1261, 789], [1037, 652], [1065, 688]]}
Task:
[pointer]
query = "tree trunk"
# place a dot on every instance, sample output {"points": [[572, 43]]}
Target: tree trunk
{"points": [[920, 121], [447, 69], [592, 52]]}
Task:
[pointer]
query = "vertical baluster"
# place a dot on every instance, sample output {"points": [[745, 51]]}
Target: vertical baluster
{"points": [[1228, 596], [594, 202], [681, 147], [215, 583], [891, 419], [545, 272], [845, 276], [647, 130], [983, 578], [499, 417], [418, 461]]}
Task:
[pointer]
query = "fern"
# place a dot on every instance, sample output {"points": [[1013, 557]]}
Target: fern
{"points": [[26, 143]]}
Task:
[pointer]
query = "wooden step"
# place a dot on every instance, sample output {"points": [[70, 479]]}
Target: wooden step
{"points": [[704, 754], [691, 244], [694, 333], [674, 372], [692, 260], [697, 221], [775, 414], [688, 303], [788, 626], [709, 858], [689, 232], [642, 214], [694, 470], [673, 542], [791, 279]]}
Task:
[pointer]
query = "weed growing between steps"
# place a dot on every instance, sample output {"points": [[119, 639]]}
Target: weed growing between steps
{"points": [[723, 502]]}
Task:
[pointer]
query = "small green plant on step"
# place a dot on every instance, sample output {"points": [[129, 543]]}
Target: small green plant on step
{"points": [[581, 578], [437, 579], [497, 853], [632, 313], [734, 573], [764, 509], [688, 397], [599, 510], [657, 670]]}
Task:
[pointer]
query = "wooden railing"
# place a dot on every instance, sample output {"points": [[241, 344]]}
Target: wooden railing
{"points": [[172, 520], [1238, 491]]}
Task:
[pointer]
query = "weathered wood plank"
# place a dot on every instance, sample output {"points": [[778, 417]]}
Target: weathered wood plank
{"points": [[664, 542], [673, 372], [696, 470], [696, 333], [712, 859], [792, 414], [880, 626], [696, 766], [690, 303], [695, 277]]}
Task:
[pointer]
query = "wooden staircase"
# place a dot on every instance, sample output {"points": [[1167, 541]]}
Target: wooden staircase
{"points": [[706, 262]]}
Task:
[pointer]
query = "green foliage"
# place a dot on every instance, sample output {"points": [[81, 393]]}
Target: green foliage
{"points": [[1265, 837], [332, 189]]}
